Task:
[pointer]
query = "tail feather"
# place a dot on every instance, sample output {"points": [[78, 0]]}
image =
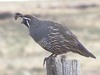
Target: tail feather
{"points": [[83, 51]]}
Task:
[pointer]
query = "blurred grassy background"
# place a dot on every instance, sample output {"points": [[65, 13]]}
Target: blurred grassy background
{"points": [[20, 55]]}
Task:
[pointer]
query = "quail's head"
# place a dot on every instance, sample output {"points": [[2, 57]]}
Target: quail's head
{"points": [[26, 19]]}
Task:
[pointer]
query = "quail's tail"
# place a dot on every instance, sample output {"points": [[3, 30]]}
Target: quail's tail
{"points": [[83, 51]]}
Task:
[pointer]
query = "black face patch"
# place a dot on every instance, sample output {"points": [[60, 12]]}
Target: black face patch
{"points": [[25, 21]]}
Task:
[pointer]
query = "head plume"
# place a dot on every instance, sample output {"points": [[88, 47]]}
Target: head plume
{"points": [[18, 15], [26, 19]]}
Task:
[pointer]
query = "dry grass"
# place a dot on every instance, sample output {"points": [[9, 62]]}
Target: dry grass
{"points": [[20, 55]]}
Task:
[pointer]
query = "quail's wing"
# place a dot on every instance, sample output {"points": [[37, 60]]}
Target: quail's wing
{"points": [[71, 39]]}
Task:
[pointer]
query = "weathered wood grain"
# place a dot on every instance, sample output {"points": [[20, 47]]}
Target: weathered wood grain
{"points": [[58, 66]]}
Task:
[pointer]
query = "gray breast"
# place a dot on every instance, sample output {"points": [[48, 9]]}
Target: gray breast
{"points": [[38, 33]]}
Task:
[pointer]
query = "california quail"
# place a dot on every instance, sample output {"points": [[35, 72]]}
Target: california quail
{"points": [[53, 37]]}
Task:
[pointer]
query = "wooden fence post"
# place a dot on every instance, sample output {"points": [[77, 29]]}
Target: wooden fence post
{"points": [[58, 66]]}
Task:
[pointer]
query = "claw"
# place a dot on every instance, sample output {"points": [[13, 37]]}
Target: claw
{"points": [[44, 62], [46, 59]]}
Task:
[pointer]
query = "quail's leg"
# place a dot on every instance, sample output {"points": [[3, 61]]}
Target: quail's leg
{"points": [[46, 58]]}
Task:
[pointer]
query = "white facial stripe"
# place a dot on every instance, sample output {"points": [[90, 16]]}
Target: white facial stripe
{"points": [[26, 18], [28, 23]]}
